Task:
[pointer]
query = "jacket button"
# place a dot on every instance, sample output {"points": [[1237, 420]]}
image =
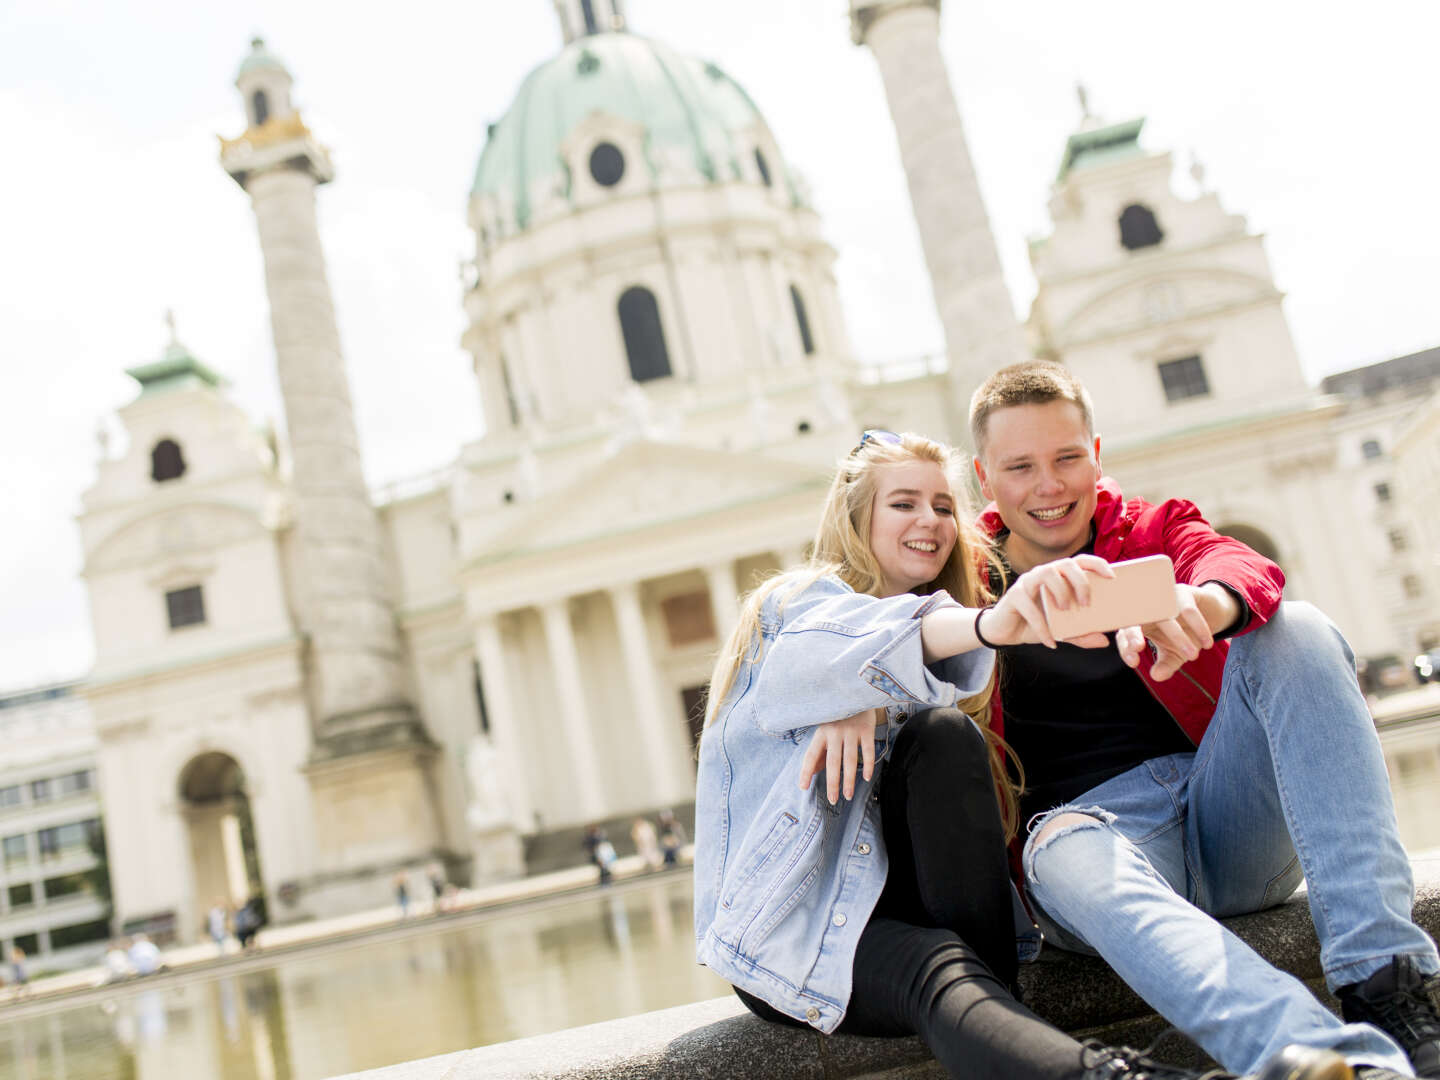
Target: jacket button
{"points": [[839, 919], [863, 849], [812, 1014]]}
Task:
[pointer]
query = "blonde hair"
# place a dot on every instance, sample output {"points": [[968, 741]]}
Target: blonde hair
{"points": [[842, 549]]}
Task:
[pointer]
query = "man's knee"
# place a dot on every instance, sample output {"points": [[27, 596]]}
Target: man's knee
{"points": [[1055, 824], [1296, 626], [1049, 829]]}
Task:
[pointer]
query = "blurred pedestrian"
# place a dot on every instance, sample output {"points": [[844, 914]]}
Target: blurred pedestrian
{"points": [[435, 874], [248, 921], [216, 924], [647, 842], [144, 955], [402, 894], [601, 851], [117, 962], [17, 971], [672, 837]]}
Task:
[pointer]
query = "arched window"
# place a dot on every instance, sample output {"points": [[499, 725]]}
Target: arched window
{"points": [[644, 336], [1138, 227], [764, 167], [260, 106], [802, 321], [166, 461]]}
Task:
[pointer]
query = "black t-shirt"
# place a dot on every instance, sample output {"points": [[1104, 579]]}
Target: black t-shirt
{"points": [[1077, 717]]}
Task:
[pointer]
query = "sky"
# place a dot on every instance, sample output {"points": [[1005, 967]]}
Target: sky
{"points": [[1319, 128]]}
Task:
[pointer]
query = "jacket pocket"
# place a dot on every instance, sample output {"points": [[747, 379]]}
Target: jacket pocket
{"points": [[762, 857], [780, 912]]}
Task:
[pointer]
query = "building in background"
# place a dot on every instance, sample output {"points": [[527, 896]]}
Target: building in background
{"points": [[54, 884], [302, 690]]}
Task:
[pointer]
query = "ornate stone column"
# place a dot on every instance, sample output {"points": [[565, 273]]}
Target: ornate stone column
{"points": [[574, 709], [791, 556], [656, 738], [504, 728], [981, 332], [370, 764], [724, 598], [358, 680]]}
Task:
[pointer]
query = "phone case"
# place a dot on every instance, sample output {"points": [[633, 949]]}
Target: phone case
{"points": [[1142, 591]]}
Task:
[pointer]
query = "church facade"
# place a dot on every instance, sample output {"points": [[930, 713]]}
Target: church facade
{"points": [[301, 691]]}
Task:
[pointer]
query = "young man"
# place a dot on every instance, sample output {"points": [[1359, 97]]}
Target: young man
{"points": [[1200, 775]]}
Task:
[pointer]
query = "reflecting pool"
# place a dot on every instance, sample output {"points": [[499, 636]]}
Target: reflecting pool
{"points": [[419, 990]]}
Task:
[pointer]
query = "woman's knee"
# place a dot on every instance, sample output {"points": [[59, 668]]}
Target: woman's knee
{"points": [[945, 732]]}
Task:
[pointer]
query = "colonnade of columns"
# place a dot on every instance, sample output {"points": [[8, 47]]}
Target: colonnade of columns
{"points": [[652, 721]]}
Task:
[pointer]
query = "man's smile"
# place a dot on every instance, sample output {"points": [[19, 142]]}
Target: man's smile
{"points": [[1054, 513]]}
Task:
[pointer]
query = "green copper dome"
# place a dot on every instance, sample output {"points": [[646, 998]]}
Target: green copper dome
{"points": [[176, 368], [681, 103], [259, 57]]}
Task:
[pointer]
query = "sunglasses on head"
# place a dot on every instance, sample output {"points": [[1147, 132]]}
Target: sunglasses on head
{"points": [[880, 435]]}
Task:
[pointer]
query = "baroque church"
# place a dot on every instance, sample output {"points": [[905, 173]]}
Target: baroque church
{"points": [[306, 691]]}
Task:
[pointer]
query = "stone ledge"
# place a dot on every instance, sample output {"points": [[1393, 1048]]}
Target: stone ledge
{"points": [[721, 1040]]}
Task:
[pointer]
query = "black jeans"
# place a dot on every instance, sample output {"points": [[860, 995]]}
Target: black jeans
{"points": [[937, 958]]}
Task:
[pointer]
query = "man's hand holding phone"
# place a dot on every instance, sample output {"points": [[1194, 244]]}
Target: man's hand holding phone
{"points": [[1141, 601], [1203, 610]]}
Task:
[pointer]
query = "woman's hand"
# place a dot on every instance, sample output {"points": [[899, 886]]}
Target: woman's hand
{"points": [[838, 747], [1019, 616]]}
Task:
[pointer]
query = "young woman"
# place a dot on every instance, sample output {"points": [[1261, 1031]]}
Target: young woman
{"points": [[882, 904]]}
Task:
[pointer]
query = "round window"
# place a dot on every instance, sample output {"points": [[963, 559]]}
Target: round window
{"points": [[607, 164]]}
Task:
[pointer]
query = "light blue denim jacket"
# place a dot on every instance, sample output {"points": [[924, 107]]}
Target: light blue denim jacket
{"points": [[784, 882]]}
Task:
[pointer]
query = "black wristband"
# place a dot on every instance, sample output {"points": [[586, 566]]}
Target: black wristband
{"points": [[978, 635]]}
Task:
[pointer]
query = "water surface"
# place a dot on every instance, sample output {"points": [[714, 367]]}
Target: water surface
{"points": [[427, 989]]}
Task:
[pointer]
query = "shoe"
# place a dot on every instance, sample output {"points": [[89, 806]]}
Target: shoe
{"points": [[1395, 1000], [1292, 1063]]}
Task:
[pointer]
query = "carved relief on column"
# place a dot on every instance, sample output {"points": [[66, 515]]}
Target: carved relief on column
{"points": [[574, 706], [656, 738]]}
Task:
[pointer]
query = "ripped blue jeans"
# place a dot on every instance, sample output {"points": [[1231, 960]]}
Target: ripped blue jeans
{"points": [[1288, 780]]}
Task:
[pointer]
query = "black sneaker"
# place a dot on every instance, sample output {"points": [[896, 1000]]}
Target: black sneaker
{"points": [[1395, 999], [1292, 1063]]}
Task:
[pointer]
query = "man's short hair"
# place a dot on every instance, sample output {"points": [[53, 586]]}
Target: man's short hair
{"points": [[1032, 382]]}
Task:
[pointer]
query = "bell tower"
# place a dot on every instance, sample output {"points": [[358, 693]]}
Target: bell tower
{"points": [[365, 730]]}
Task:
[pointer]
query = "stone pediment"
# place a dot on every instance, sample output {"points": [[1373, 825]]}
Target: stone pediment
{"points": [[1153, 300], [649, 484], [173, 533]]}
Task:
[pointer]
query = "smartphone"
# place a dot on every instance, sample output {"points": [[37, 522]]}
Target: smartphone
{"points": [[1142, 591]]}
